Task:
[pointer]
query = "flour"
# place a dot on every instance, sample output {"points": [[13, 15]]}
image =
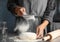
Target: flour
{"points": [[27, 36], [22, 27]]}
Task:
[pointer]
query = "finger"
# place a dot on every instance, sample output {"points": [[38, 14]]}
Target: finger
{"points": [[37, 31], [42, 35], [39, 35], [22, 10], [20, 13]]}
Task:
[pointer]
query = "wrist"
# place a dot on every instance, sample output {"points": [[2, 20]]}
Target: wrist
{"points": [[44, 24]]}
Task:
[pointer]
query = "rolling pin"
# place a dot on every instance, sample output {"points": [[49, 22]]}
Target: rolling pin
{"points": [[52, 35]]}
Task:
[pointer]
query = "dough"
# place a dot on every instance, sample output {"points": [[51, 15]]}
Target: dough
{"points": [[27, 36]]}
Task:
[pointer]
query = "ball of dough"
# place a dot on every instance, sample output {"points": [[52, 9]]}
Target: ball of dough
{"points": [[27, 36]]}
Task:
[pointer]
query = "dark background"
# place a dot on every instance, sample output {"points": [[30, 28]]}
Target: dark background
{"points": [[5, 15]]}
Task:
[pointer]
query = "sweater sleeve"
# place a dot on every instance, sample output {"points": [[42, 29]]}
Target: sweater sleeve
{"points": [[50, 11]]}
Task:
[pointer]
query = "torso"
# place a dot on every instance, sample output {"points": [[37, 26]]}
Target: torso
{"points": [[37, 7]]}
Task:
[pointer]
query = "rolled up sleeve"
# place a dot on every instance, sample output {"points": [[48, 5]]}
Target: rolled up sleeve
{"points": [[50, 11]]}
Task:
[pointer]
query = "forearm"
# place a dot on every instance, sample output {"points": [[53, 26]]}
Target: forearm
{"points": [[45, 23]]}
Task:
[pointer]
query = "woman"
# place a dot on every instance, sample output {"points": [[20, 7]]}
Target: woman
{"points": [[42, 9]]}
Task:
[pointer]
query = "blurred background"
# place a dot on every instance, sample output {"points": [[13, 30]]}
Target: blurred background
{"points": [[5, 15]]}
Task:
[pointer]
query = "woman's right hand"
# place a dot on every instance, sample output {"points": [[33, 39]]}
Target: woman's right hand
{"points": [[20, 11]]}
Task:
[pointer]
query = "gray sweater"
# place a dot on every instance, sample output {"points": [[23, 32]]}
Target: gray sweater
{"points": [[42, 8]]}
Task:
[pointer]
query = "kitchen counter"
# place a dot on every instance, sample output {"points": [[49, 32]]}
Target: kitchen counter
{"points": [[55, 40]]}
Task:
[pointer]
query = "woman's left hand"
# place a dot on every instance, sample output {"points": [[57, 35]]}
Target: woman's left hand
{"points": [[40, 31]]}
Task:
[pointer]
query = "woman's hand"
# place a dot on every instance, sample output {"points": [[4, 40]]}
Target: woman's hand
{"points": [[40, 29], [20, 11]]}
